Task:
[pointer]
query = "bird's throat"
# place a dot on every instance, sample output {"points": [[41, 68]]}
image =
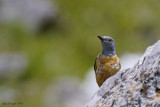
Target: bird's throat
{"points": [[108, 51]]}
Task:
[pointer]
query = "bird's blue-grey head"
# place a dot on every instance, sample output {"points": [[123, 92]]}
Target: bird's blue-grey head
{"points": [[108, 45]]}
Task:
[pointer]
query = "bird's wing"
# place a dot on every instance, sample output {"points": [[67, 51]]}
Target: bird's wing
{"points": [[95, 65]]}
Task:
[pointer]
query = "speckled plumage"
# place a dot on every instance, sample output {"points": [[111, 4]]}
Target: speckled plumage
{"points": [[107, 63]]}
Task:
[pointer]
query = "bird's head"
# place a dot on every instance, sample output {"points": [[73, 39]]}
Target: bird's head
{"points": [[106, 41], [108, 44]]}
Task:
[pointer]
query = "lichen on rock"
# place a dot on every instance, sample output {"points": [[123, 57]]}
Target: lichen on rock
{"points": [[138, 86]]}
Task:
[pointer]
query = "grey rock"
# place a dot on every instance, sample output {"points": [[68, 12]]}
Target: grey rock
{"points": [[12, 64], [65, 93], [138, 86], [7, 94], [32, 13]]}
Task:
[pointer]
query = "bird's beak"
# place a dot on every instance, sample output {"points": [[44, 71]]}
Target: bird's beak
{"points": [[101, 38]]}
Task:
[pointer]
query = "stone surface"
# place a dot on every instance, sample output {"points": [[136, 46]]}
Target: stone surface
{"points": [[66, 92], [32, 13], [138, 86], [12, 64]]}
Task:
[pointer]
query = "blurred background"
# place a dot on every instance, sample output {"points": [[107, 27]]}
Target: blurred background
{"points": [[48, 47]]}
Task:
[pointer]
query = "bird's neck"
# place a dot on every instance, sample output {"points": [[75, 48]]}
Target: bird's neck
{"points": [[108, 50]]}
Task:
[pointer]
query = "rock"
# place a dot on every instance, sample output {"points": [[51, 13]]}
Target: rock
{"points": [[12, 64], [65, 92], [7, 94], [138, 86], [34, 14]]}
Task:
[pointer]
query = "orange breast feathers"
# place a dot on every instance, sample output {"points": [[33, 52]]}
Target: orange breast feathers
{"points": [[105, 67]]}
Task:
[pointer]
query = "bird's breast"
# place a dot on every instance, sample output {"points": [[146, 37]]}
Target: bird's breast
{"points": [[106, 66], [109, 64]]}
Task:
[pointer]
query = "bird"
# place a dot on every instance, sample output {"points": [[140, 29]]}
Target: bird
{"points": [[107, 62]]}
